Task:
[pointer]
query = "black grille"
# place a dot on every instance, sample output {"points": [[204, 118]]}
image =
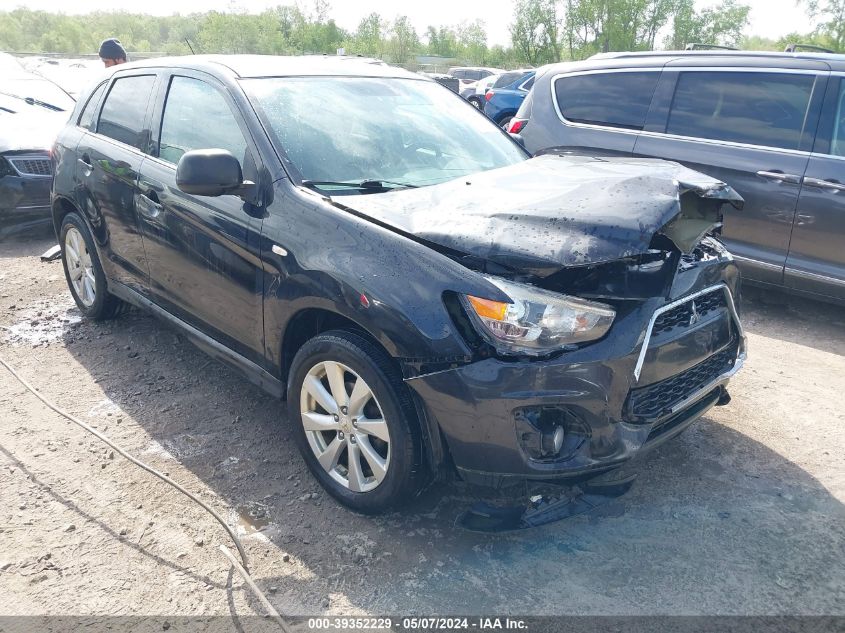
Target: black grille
{"points": [[653, 401], [682, 315], [32, 166]]}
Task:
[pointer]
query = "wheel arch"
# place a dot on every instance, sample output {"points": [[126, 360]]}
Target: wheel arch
{"points": [[61, 207], [310, 322]]}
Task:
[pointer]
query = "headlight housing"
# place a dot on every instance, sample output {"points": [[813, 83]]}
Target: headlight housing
{"points": [[537, 321]]}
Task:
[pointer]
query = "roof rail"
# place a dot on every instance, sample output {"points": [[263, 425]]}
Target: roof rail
{"points": [[794, 47], [697, 46]]}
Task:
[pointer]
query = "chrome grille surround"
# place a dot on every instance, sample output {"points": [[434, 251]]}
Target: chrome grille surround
{"points": [[680, 302]]}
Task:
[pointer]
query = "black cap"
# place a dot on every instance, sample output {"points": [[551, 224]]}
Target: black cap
{"points": [[112, 49]]}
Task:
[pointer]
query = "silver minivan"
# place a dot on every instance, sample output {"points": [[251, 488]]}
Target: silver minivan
{"points": [[772, 125]]}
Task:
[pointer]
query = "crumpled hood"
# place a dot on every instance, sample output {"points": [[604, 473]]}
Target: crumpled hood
{"points": [[556, 211], [29, 129]]}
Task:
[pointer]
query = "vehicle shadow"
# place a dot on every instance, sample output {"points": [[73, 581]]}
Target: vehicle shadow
{"points": [[718, 521], [794, 319], [26, 243]]}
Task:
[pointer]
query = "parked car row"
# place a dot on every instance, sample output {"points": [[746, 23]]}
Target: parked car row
{"points": [[772, 125], [504, 98]]}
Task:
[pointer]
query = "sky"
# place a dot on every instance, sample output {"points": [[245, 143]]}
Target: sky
{"points": [[769, 18]]}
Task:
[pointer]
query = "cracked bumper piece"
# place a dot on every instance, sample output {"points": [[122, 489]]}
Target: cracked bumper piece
{"points": [[586, 412]]}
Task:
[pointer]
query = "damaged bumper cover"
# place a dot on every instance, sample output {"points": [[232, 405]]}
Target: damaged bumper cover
{"points": [[661, 367]]}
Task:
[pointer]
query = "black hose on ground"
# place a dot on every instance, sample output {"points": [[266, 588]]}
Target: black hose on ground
{"points": [[242, 569]]}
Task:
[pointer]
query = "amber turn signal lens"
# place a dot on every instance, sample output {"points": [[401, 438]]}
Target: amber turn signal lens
{"points": [[488, 308]]}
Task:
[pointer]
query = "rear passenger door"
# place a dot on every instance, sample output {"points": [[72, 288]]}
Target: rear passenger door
{"points": [[751, 128], [600, 112], [202, 250], [816, 261], [108, 162]]}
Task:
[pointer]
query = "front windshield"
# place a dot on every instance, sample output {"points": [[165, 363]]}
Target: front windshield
{"points": [[398, 131]]}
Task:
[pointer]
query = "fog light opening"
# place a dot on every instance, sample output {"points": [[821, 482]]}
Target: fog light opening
{"points": [[549, 433]]}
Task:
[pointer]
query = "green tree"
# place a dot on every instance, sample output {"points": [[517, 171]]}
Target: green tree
{"points": [[442, 41], [599, 26], [404, 41], [369, 37], [831, 14], [722, 25], [534, 33], [472, 42]]}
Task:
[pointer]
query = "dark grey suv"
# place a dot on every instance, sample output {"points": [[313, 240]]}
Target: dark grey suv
{"points": [[772, 125], [429, 299]]}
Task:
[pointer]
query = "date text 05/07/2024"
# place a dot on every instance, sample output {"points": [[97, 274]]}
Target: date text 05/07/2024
{"points": [[417, 623]]}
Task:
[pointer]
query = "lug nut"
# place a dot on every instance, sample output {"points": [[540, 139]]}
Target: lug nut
{"points": [[355, 422], [352, 439], [344, 410], [340, 435], [336, 417]]}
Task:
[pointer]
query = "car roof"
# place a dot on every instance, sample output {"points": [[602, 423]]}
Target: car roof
{"points": [[246, 66], [759, 58]]}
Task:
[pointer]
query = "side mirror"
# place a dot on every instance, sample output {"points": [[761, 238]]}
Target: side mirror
{"points": [[210, 172]]}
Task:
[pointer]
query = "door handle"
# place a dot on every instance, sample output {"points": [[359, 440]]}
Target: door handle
{"points": [[831, 185], [779, 176], [85, 163], [149, 204]]}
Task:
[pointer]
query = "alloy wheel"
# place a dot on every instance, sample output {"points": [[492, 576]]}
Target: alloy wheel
{"points": [[79, 267], [345, 426]]}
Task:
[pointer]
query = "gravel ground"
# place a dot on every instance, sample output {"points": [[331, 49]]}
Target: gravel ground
{"points": [[742, 514]]}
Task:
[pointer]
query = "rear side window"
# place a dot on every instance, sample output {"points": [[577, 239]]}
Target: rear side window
{"points": [[766, 109], [528, 84], [612, 99], [506, 79], [196, 116], [89, 113], [122, 117]]}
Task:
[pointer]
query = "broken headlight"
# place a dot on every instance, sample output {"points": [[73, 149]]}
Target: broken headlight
{"points": [[538, 321]]}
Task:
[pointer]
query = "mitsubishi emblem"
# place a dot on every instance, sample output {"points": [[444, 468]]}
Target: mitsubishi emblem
{"points": [[695, 316]]}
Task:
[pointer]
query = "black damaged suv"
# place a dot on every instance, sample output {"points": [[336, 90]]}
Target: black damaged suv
{"points": [[427, 298]]}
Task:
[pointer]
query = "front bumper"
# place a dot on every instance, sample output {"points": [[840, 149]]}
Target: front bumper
{"points": [[24, 202], [659, 369]]}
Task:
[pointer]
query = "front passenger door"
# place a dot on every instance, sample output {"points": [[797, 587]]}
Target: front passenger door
{"points": [[202, 251]]}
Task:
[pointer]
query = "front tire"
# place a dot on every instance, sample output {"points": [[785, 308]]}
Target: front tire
{"points": [[84, 272], [354, 422]]}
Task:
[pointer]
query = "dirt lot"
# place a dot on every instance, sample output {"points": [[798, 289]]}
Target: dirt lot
{"points": [[742, 514]]}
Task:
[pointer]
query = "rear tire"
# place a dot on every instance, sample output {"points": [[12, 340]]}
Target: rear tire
{"points": [[354, 422], [84, 272], [504, 122], [476, 101]]}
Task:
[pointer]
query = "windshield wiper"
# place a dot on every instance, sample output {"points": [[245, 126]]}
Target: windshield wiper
{"points": [[363, 185], [33, 101]]}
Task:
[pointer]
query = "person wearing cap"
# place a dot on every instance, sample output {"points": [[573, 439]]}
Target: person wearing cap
{"points": [[112, 52]]}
